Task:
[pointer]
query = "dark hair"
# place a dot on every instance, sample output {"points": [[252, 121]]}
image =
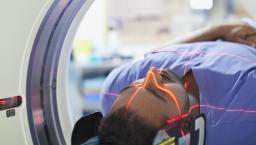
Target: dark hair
{"points": [[125, 127]]}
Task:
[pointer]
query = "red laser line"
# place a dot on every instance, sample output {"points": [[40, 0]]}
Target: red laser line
{"points": [[186, 85], [193, 107], [131, 99], [209, 106], [233, 55], [241, 110], [136, 85], [171, 127], [111, 94], [210, 53], [182, 132], [2, 102], [188, 63], [229, 110], [178, 118], [172, 120], [163, 89]]}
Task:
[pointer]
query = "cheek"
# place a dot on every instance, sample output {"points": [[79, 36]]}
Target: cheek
{"points": [[152, 106], [157, 108], [152, 109], [149, 103], [181, 95]]}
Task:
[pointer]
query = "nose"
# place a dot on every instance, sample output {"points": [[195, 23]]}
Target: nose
{"points": [[153, 79]]}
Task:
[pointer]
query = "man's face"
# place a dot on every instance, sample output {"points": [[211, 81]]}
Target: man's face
{"points": [[157, 98]]}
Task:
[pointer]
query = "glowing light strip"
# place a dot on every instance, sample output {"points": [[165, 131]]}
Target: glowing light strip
{"points": [[2, 102], [209, 106], [211, 53], [241, 110], [233, 55], [131, 99], [136, 85], [189, 62], [182, 132], [171, 127], [111, 94], [172, 120], [229, 110], [164, 90], [186, 85]]}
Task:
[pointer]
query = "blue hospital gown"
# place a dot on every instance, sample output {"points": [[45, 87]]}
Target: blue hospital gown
{"points": [[226, 75]]}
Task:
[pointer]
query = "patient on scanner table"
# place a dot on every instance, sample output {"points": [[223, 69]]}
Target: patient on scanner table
{"points": [[173, 85]]}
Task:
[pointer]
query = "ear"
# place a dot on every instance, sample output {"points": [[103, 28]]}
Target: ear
{"points": [[153, 79]]}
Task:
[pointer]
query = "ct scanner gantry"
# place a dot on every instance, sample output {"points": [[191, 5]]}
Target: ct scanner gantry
{"points": [[36, 40]]}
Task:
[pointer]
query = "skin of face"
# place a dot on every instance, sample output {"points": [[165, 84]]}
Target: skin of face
{"points": [[151, 103], [251, 38]]}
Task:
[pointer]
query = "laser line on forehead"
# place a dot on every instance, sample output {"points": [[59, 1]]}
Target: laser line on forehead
{"points": [[169, 92], [131, 99]]}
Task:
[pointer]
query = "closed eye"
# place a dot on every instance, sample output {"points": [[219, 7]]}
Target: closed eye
{"points": [[166, 77], [157, 95]]}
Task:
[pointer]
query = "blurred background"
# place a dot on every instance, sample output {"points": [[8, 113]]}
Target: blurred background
{"points": [[115, 32]]}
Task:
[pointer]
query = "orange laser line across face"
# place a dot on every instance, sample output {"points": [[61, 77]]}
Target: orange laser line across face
{"points": [[212, 107], [136, 85], [158, 87], [209, 106], [183, 115], [131, 99], [164, 90]]}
